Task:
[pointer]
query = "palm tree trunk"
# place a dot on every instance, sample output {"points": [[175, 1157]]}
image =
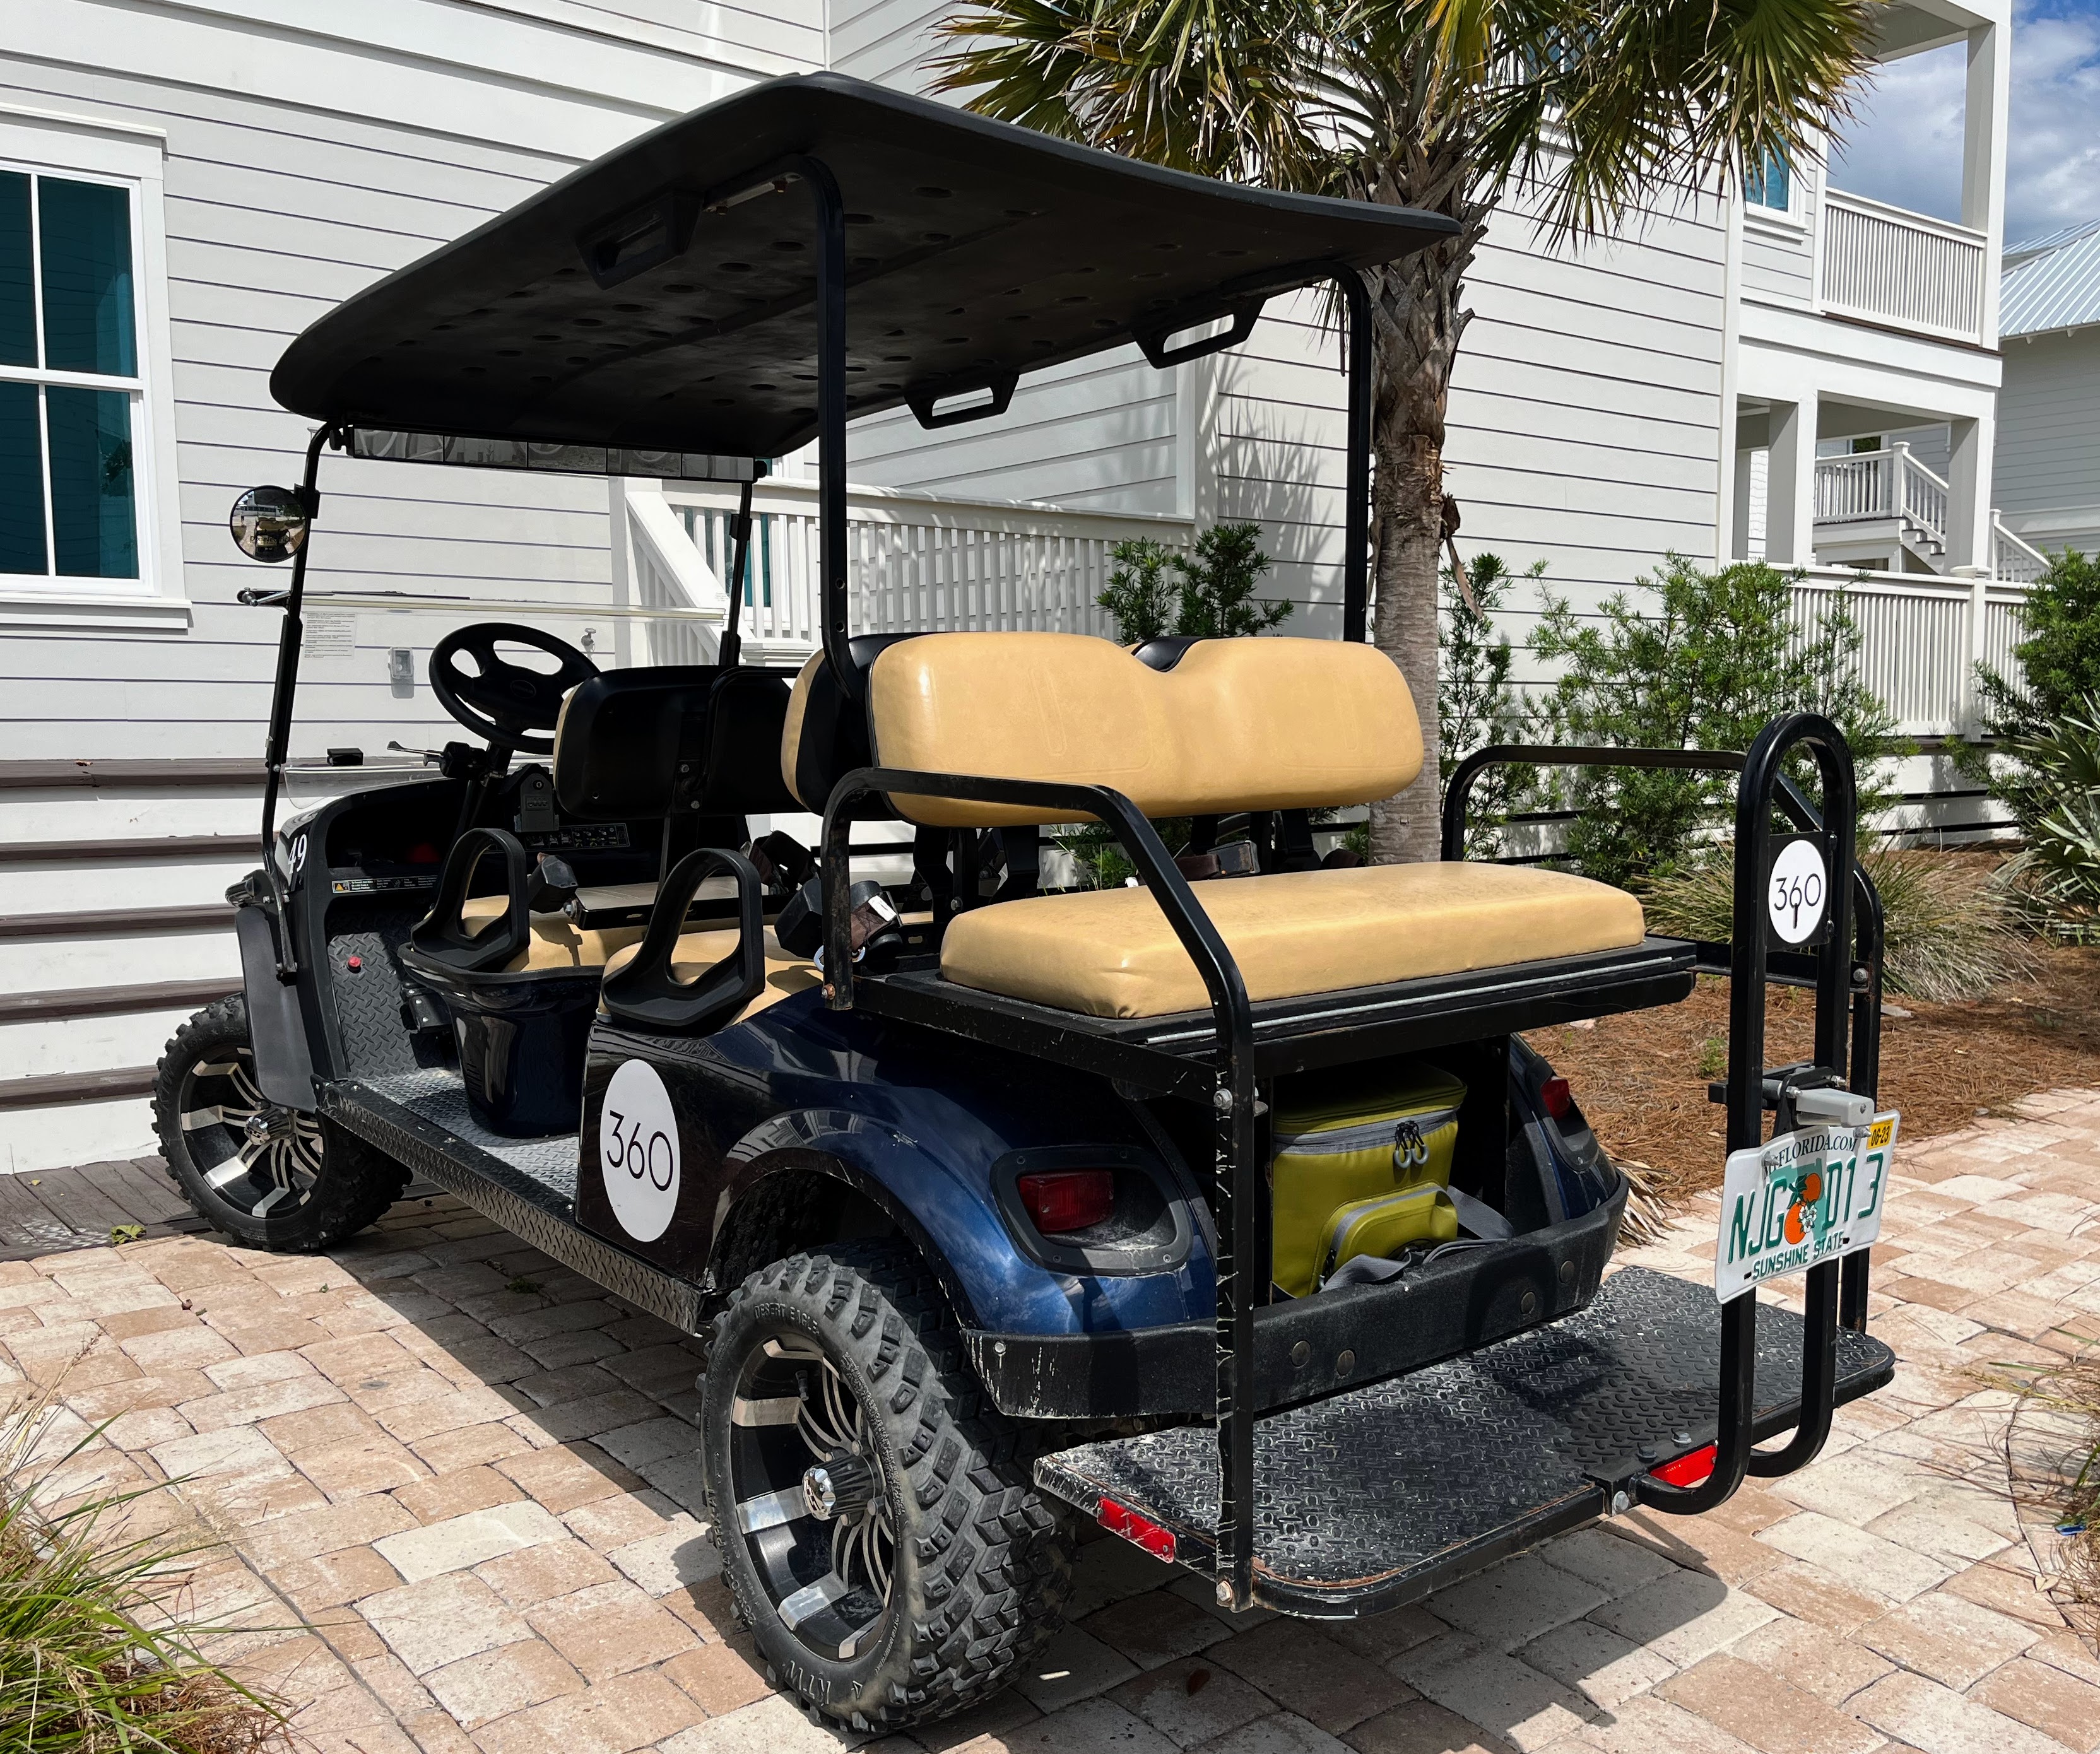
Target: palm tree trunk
{"points": [[1415, 306]]}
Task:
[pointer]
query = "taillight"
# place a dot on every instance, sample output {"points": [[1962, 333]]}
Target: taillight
{"points": [[1694, 1469], [1120, 1519], [1559, 1099], [1066, 1199]]}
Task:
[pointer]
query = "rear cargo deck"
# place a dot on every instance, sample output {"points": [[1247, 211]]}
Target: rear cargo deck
{"points": [[1371, 1499]]}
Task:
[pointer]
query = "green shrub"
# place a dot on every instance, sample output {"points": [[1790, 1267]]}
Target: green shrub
{"points": [[2058, 652], [2058, 658], [1952, 929], [1703, 662], [1477, 704], [2060, 868], [94, 1658], [1210, 593]]}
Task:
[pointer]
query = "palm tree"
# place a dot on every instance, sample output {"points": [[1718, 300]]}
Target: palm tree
{"points": [[1584, 109]]}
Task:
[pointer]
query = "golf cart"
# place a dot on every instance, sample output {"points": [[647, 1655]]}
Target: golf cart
{"points": [[1227, 1208]]}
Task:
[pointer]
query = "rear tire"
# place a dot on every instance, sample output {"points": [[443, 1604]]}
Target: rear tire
{"points": [[272, 1177], [949, 1571]]}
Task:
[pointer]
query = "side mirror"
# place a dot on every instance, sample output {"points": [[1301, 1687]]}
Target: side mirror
{"points": [[268, 523]]}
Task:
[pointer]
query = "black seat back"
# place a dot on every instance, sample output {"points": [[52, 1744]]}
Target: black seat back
{"points": [[739, 774], [617, 747], [826, 736]]}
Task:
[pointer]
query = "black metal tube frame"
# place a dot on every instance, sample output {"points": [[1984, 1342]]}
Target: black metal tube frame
{"points": [[1356, 503], [729, 651], [1852, 949], [289, 636], [1241, 1272]]}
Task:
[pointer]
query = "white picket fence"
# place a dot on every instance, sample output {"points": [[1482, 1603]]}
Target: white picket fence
{"points": [[915, 559], [1921, 638], [920, 560]]}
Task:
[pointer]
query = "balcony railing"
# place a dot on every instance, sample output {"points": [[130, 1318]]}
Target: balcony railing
{"points": [[1888, 265]]}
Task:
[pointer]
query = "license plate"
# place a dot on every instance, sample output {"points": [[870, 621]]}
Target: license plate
{"points": [[1809, 1196]]}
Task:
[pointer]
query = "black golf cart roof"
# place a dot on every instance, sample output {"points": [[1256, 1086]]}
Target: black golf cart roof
{"points": [[664, 297]]}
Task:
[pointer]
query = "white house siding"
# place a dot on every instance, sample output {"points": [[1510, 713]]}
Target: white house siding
{"points": [[282, 200], [311, 147], [2047, 478]]}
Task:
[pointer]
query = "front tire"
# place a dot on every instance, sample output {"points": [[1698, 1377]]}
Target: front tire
{"points": [[879, 1526], [272, 1177]]}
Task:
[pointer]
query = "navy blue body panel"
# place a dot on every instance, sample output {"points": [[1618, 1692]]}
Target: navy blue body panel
{"points": [[915, 1121]]}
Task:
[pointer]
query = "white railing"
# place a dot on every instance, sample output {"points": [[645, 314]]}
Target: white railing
{"points": [[1853, 489], [915, 559], [1921, 637], [2012, 559], [1871, 485], [1888, 265]]}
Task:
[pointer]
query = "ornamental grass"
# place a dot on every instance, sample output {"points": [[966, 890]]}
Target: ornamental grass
{"points": [[95, 1654]]}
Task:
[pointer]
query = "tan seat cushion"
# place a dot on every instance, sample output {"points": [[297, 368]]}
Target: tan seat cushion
{"points": [[697, 952], [1110, 952], [556, 944], [1238, 725]]}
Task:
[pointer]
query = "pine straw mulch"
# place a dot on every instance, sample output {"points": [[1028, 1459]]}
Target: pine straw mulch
{"points": [[1642, 1078]]}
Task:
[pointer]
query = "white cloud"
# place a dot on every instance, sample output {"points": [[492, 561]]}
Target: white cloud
{"points": [[1906, 146]]}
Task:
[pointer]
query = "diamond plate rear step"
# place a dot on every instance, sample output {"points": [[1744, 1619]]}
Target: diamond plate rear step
{"points": [[1373, 1498]]}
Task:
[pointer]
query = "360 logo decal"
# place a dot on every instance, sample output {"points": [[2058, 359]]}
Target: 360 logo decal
{"points": [[637, 1149]]}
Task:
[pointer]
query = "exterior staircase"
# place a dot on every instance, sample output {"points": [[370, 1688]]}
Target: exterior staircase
{"points": [[1884, 511]]}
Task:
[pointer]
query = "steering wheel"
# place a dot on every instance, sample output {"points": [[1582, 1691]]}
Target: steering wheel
{"points": [[505, 702]]}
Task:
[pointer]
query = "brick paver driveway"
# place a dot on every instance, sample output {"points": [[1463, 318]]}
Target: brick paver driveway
{"points": [[472, 1475]]}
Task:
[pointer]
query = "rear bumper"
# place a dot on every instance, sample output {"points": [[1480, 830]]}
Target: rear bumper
{"points": [[1315, 1346], [1371, 1499]]}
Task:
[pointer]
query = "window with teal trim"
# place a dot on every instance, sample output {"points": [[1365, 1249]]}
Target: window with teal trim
{"points": [[70, 386]]}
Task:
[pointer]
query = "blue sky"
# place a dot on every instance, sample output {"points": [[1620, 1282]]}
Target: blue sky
{"points": [[1906, 146]]}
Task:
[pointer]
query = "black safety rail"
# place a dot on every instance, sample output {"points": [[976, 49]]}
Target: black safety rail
{"points": [[1845, 973], [1216, 1058]]}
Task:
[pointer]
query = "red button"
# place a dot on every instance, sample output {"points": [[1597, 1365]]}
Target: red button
{"points": [[355, 964]]}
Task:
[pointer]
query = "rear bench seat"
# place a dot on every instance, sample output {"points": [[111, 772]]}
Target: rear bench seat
{"points": [[1237, 725]]}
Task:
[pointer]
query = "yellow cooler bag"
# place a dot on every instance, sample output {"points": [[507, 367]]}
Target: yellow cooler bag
{"points": [[1362, 1166]]}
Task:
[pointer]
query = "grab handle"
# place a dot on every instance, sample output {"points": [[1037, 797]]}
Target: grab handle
{"points": [[442, 934], [647, 993]]}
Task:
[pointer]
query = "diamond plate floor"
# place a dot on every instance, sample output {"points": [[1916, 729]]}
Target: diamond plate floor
{"points": [[437, 1094], [1373, 1498]]}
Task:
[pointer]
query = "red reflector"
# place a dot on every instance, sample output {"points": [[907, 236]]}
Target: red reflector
{"points": [[1557, 1097], [1694, 1469], [1120, 1519], [1061, 1200]]}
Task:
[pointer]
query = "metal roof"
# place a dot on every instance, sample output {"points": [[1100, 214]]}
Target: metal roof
{"points": [[2053, 283], [664, 297]]}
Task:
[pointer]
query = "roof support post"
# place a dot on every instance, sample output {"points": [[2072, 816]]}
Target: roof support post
{"points": [[729, 649], [1356, 515], [288, 638], [831, 417]]}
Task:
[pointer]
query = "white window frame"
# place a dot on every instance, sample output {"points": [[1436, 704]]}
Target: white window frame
{"points": [[48, 143], [1791, 219]]}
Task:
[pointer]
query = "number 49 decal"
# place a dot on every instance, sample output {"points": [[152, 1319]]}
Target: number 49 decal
{"points": [[637, 1149]]}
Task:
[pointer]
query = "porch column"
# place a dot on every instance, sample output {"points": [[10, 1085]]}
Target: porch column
{"points": [[1988, 103], [1739, 540], [1969, 542], [1790, 485]]}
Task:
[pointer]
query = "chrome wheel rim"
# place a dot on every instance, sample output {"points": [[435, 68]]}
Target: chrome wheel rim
{"points": [[256, 1155], [808, 1498]]}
